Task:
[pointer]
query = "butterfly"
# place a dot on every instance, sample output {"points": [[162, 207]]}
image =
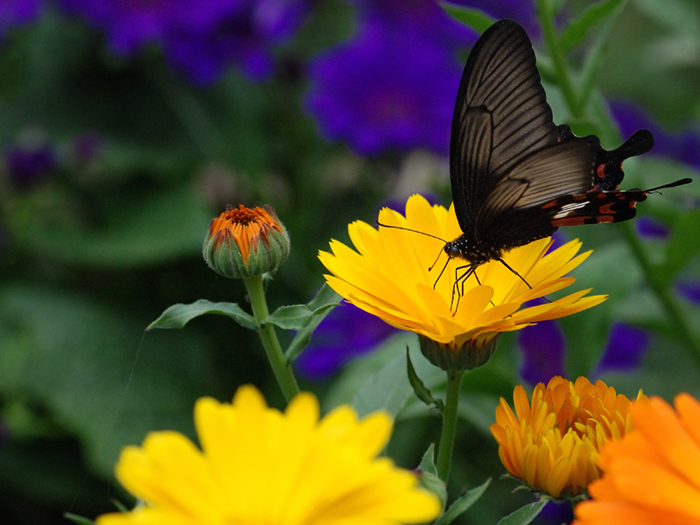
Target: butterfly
{"points": [[516, 176]]}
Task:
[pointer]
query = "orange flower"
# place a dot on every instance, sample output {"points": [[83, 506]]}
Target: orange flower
{"points": [[244, 242], [553, 442], [652, 476]]}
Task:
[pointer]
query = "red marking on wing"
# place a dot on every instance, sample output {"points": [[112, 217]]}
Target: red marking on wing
{"points": [[569, 221]]}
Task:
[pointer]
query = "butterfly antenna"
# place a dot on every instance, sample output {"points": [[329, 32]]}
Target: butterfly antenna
{"points": [[430, 268], [409, 230]]}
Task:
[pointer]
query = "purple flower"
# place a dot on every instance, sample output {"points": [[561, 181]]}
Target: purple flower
{"points": [[346, 333], [245, 35], [130, 24], [683, 146], [689, 290], [387, 89], [543, 347], [199, 38], [428, 18], [625, 349], [649, 228], [29, 164], [17, 13]]}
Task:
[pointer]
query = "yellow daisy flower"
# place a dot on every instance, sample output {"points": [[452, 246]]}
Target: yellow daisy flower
{"points": [[389, 276], [260, 466], [553, 441], [652, 475]]}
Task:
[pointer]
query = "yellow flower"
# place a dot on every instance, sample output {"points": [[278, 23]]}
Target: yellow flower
{"points": [[553, 442], [389, 278], [260, 466], [244, 242], [652, 476]]}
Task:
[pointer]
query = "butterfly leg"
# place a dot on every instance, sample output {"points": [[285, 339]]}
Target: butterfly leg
{"points": [[516, 273], [456, 290]]}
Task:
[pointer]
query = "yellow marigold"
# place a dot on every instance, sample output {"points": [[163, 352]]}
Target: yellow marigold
{"points": [[389, 276], [553, 442], [652, 475], [258, 465], [244, 242]]}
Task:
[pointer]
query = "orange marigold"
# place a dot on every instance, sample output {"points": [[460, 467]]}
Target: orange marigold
{"points": [[652, 475], [553, 441]]}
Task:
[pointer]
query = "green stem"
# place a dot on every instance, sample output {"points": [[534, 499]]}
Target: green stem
{"points": [[663, 294], [561, 69], [449, 423], [280, 366]]}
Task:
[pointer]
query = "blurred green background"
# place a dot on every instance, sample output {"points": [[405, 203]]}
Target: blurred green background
{"points": [[107, 236]]}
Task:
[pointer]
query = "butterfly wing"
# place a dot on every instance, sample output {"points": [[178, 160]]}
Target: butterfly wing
{"points": [[501, 117]]}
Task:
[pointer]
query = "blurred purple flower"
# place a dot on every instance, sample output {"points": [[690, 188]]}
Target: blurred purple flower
{"points": [[556, 513], [625, 349], [649, 228], [199, 38], [543, 347], [29, 164], [17, 13], [428, 18], [346, 333], [131, 24], [386, 89], [683, 146], [86, 147], [689, 290], [245, 35]]}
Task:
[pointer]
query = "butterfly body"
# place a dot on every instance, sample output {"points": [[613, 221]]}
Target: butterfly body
{"points": [[516, 176]]}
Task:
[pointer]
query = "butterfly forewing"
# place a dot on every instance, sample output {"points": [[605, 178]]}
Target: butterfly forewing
{"points": [[501, 117]]}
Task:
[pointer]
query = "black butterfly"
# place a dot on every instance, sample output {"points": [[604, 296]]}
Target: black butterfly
{"points": [[516, 176]]}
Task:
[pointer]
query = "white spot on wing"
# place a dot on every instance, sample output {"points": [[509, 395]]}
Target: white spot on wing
{"points": [[567, 209]]}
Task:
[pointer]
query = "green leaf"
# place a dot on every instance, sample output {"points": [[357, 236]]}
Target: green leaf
{"points": [[462, 504], [178, 315], [80, 520], [294, 317], [427, 462], [419, 387], [325, 296], [388, 389], [427, 475], [577, 30], [319, 307], [595, 55], [683, 247], [474, 18], [678, 16], [524, 515]]}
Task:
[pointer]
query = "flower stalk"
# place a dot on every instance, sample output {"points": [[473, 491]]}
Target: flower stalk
{"points": [[449, 423], [280, 366]]}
